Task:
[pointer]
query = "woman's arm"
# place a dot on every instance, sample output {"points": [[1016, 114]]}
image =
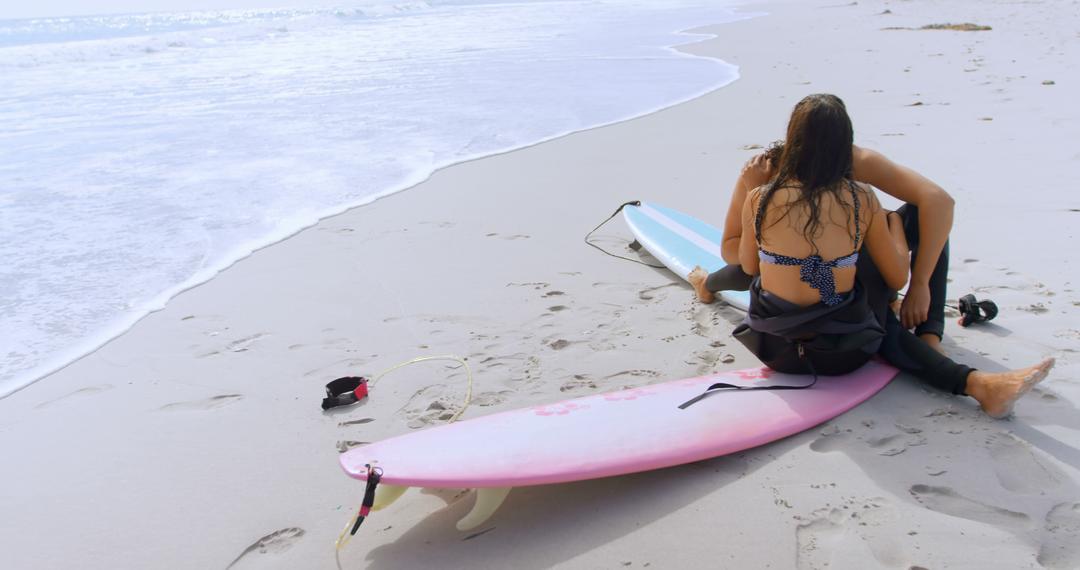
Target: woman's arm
{"points": [[748, 246], [935, 221], [886, 243], [756, 171]]}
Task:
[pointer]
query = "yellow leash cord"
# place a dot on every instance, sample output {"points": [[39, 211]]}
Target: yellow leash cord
{"points": [[468, 372]]}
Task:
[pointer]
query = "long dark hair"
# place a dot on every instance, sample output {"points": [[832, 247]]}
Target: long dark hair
{"points": [[817, 154]]}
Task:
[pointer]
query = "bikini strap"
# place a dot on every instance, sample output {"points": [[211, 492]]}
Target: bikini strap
{"points": [[757, 218], [855, 197]]}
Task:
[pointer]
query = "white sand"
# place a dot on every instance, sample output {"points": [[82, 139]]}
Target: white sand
{"points": [[183, 442]]}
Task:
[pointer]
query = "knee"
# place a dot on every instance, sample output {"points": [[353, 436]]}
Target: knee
{"points": [[909, 213]]}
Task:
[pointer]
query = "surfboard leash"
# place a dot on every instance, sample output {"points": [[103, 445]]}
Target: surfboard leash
{"points": [[374, 475], [355, 388], [715, 388], [349, 390], [972, 310], [634, 245]]}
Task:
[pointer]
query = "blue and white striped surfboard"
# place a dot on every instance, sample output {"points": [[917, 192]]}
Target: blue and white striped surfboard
{"points": [[680, 242]]}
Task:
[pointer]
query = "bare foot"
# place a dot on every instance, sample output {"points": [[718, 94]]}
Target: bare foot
{"points": [[997, 392], [697, 278], [933, 341]]}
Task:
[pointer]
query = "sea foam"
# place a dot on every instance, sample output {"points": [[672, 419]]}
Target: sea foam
{"points": [[145, 153]]}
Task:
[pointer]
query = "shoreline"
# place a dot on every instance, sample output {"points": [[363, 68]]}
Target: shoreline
{"points": [[207, 410], [124, 323]]}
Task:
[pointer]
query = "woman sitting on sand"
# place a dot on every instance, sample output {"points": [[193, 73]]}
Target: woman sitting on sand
{"points": [[927, 216], [811, 309]]}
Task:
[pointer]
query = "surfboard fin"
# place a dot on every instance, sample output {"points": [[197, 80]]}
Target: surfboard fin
{"points": [[488, 500], [385, 496]]}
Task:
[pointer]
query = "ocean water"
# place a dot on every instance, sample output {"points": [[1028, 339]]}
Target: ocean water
{"points": [[144, 153]]}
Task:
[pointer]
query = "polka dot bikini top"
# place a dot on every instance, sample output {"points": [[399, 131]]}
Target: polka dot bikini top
{"points": [[813, 270]]}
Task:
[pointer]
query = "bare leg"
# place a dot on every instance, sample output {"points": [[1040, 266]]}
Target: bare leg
{"points": [[697, 278], [997, 392]]}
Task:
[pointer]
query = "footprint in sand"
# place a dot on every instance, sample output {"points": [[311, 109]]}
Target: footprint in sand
{"points": [[1016, 466], [650, 293], [80, 393], [578, 381], [498, 361], [245, 343], [345, 445], [831, 439], [356, 422], [1061, 543], [705, 360], [947, 501], [240, 345], [530, 371], [1035, 308], [537, 285], [852, 536], [1068, 333], [559, 344], [211, 403], [273, 543], [896, 444], [430, 405], [485, 399], [889, 445], [704, 319], [603, 344], [908, 429]]}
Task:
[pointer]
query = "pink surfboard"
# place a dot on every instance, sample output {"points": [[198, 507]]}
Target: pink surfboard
{"points": [[608, 434]]}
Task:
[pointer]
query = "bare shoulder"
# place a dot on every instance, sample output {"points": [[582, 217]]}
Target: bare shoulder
{"points": [[755, 194], [865, 190], [896, 180], [862, 154], [868, 164], [867, 197]]}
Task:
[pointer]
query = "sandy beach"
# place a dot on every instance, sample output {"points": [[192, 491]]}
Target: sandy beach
{"points": [[195, 440]]}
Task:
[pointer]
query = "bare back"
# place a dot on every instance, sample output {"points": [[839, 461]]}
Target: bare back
{"points": [[783, 232]]}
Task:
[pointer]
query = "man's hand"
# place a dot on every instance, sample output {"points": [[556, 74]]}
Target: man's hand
{"points": [[916, 305], [757, 171]]}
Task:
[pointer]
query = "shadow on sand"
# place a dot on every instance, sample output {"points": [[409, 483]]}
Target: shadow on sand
{"points": [[624, 504]]}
